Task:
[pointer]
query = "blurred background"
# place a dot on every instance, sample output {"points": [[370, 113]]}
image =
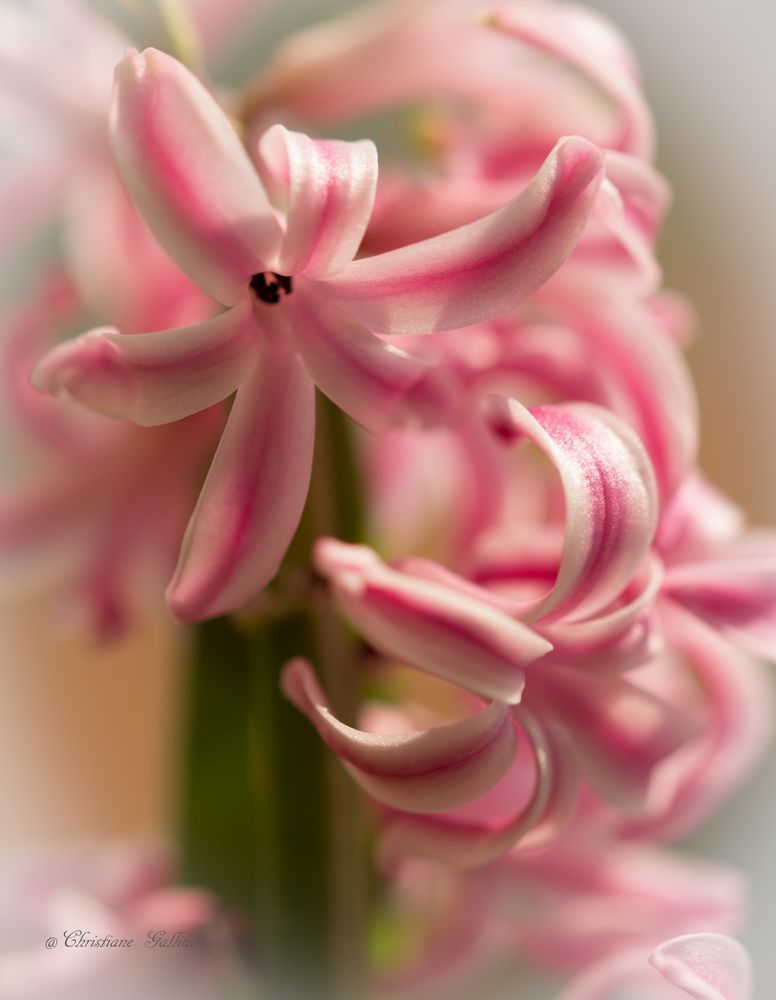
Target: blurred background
{"points": [[89, 737]]}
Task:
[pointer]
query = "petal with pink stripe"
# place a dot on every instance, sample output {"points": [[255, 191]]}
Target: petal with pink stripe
{"points": [[328, 187], [153, 378], [482, 269], [375, 383], [425, 771], [255, 491], [190, 176], [467, 843], [430, 625], [610, 498], [588, 44]]}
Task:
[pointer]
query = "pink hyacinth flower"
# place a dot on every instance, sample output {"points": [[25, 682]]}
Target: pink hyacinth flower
{"points": [[298, 306]]}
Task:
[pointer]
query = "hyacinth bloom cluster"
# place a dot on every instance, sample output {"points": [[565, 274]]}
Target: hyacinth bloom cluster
{"points": [[561, 620]]}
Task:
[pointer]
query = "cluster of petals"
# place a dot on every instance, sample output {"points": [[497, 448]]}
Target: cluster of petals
{"points": [[582, 907], [597, 629], [206, 203]]}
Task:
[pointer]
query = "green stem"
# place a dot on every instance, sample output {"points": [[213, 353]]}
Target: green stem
{"points": [[272, 821], [219, 811]]}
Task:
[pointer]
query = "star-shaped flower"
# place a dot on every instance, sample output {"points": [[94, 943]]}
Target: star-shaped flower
{"points": [[299, 309]]}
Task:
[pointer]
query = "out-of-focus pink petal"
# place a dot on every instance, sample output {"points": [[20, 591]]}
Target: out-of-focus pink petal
{"points": [[620, 238], [588, 44], [616, 976], [697, 522], [706, 966], [582, 897], [35, 71], [190, 176], [658, 397], [485, 268], [120, 270], [735, 591], [621, 637], [254, 494], [153, 378], [619, 732], [393, 50], [468, 844], [222, 25], [25, 334], [425, 771], [610, 500], [430, 625], [377, 384], [328, 189], [618, 640], [736, 703]]}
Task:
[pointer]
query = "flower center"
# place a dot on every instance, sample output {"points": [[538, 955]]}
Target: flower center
{"points": [[268, 286]]}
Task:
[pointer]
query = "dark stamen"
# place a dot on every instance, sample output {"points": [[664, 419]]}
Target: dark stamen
{"points": [[269, 291]]}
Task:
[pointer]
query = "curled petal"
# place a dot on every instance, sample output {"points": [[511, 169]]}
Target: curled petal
{"points": [[430, 625], [610, 497], [376, 383], [328, 188], [616, 639], [468, 844], [482, 269], [657, 395], [619, 732], [190, 176], [706, 966], [255, 491], [424, 771], [630, 204], [589, 45], [153, 378]]}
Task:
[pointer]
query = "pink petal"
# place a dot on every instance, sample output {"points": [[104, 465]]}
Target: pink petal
{"points": [[620, 639], [618, 731], [254, 494], [120, 270], [706, 966], [620, 239], [467, 844], [588, 44], [618, 975], [586, 895], [27, 331], [657, 395], [190, 176], [735, 591], [430, 625], [153, 378], [328, 188], [423, 771], [610, 499], [377, 384], [736, 702], [482, 269], [697, 522]]}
